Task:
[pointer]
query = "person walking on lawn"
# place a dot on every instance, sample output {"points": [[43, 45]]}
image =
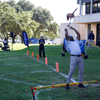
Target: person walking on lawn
{"points": [[76, 58]]}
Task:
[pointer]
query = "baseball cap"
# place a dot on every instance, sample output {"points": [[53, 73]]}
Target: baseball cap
{"points": [[70, 36]]}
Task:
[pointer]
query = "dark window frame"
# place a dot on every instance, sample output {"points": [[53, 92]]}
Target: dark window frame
{"points": [[96, 7], [87, 12]]}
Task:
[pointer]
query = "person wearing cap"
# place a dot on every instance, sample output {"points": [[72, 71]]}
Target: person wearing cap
{"points": [[41, 46], [90, 39], [76, 58]]}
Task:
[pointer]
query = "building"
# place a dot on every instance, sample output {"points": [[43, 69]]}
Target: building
{"points": [[33, 41], [56, 41], [88, 19], [5, 0]]}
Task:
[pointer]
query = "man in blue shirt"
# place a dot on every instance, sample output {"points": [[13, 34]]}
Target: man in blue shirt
{"points": [[41, 46], [90, 39]]}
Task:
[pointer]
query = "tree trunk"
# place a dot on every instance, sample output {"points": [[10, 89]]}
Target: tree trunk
{"points": [[22, 41], [13, 38], [22, 38]]}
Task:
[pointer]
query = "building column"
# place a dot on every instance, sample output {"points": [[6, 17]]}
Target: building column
{"points": [[80, 6], [91, 6], [88, 30], [86, 34]]}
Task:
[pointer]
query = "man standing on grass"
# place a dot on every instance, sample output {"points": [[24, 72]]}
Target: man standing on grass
{"points": [[75, 59], [41, 46], [90, 39]]}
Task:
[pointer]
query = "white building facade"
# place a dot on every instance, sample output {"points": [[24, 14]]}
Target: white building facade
{"points": [[88, 19], [91, 19]]}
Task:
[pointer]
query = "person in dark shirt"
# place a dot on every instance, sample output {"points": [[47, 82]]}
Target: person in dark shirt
{"points": [[5, 42], [90, 39], [41, 46], [6, 46]]}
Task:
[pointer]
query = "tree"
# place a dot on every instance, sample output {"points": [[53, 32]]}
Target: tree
{"points": [[26, 5], [7, 16], [54, 27], [16, 22], [23, 16], [27, 24], [12, 3], [44, 17], [18, 8]]}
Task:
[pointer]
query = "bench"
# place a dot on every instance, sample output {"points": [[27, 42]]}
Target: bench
{"points": [[5, 48]]}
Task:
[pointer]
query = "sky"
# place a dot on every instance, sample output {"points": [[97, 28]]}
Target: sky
{"points": [[58, 8]]}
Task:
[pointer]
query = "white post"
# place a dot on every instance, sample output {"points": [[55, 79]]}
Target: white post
{"points": [[81, 9], [91, 6], [80, 6]]}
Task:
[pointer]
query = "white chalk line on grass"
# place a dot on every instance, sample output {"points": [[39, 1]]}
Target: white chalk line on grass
{"points": [[55, 70], [18, 64], [41, 71], [37, 92], [63, 74], [95, 84], [35, 84], [15, 81], [28, 72], [60, 74], [27, 83]]}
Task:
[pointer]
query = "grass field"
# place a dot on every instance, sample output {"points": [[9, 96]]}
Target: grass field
{"points": [[19, 72]]}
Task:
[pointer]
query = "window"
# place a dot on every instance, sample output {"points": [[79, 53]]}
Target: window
{"points": [[87, 8], [99, 7], [95, 6]]}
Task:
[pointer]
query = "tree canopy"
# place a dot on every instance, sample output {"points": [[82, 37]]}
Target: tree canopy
{"points": [[23, 16]]}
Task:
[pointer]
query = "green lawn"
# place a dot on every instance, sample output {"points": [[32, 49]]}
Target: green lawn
{"points": [[19, 72]]}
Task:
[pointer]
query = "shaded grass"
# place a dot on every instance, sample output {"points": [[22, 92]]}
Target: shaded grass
{"points": [[14, 91], [73, 94]]}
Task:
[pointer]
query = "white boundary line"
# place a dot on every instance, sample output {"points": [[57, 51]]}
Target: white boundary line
{"points": [[15, 81], [36, 97], [60, 74], [64, 74], [40, 72], [37, 92], [27, 72], [55, 70]]}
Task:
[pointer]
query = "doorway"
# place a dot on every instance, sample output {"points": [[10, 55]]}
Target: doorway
{"points": [[98, 35]]}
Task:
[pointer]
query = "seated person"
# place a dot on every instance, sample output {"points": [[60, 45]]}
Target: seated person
{"points": [[5, 45], [5, 42]]}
